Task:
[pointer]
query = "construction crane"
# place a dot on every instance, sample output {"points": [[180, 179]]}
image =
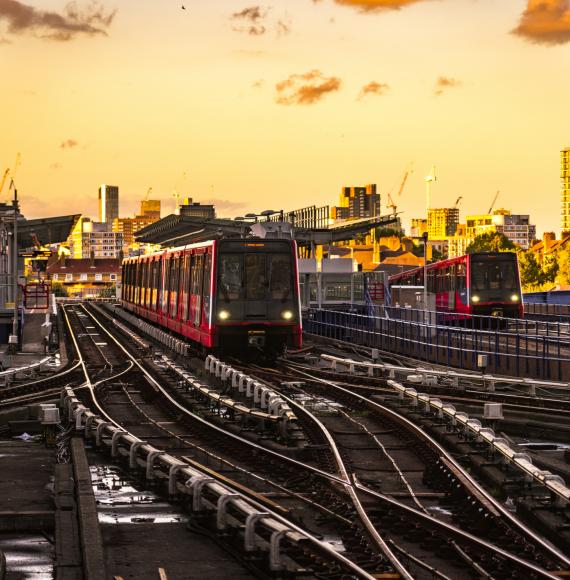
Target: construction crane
{"points": [[493, 202], [392, 204], [4, 177], [458, 200], [429, 180], [147, 194]]}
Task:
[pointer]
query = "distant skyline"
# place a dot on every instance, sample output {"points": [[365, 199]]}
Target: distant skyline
{"points": [[280, 105]]}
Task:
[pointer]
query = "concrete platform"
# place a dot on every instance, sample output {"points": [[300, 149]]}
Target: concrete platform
{"points": [[139, 550], [26, 483]]}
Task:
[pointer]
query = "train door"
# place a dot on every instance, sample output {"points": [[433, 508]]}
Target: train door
{"points": [[198, 278], [451, 287], [255, 285], [206, 291]]}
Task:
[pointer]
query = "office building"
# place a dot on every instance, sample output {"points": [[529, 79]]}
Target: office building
{"points": [[458, 243], [442, 222], [128, 227], [357, 202], [516, 227], [565, 191], [93, 239], [108, 203], [194, 209], [418, 227]]}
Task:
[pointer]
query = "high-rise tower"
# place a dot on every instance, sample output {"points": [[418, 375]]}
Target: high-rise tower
{"points": [[108, 203], [565, 190]]}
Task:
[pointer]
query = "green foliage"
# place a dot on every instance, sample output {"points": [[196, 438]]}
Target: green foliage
{"points": [[532, 275], [563, 264], [491, 242], [58, 289], [108, 292], [387, 233]]}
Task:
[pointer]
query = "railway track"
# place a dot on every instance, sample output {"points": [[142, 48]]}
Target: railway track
{"points": [[259, 473], [465, 500], [467, 550]]}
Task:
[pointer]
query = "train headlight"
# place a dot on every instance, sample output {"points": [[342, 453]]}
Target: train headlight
{"points": [[287, 314], [223, 314], [515, 298], [475, 299]]}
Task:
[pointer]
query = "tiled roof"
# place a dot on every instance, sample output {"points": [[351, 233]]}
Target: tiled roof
{"points": [[85, 265]]}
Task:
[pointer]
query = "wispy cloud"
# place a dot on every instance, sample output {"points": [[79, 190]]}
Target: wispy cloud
{"points": [[56, 165], [68, 144], [306, 89], [373, 88], [256, 21], [376, 5], [225, 205], [22, 18], [545, 22], [258, 84], [442, 84]]}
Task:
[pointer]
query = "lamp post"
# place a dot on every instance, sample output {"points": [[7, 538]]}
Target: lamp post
{"points": [[13, 340], [425, 237]]}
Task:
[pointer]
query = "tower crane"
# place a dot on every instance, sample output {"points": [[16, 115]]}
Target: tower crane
{"points": [[458, 200], [4, 177], [391, 203], [493, 202], [147, 194]]}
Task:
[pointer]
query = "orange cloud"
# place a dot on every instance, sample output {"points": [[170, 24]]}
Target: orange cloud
{"points": [[22, 18], [373, 88], [444, 83], [545, 22], [68, 144], [306, 89], [374, 5], [255, 22]]}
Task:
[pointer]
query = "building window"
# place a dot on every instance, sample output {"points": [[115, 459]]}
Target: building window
{"points": [[69, 277], [83, 277], [98, 277], [55, 277], [113, 276]]}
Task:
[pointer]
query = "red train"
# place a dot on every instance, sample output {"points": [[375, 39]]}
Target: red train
{"points": [[475, 284], [223, 294]]}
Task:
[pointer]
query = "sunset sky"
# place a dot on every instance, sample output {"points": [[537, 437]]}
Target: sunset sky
{"points": [[278, 105]]}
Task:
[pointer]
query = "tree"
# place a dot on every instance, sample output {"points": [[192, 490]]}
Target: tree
{"points": [[563, 263], [58, 289], [491, 242], [532, 276], [108, 292]]}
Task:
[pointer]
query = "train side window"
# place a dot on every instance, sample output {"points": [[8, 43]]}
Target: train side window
{"points": [[166, 286], [174, 279], [199, 279], [159, 288], [461, 275], [280, 277]]}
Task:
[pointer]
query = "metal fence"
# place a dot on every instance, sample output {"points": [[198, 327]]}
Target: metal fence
{"points": [[520, 351]]}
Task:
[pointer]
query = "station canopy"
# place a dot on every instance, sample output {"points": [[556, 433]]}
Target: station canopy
{"points": [[178, 230]]}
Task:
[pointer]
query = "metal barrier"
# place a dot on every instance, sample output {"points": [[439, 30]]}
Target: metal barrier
{"points": [[509, 353], [432, 377], [208, 496], [11, 374], [554, 484]]}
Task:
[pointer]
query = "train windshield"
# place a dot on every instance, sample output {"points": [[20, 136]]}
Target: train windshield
{"points": [[255, 276], [495, 275]]}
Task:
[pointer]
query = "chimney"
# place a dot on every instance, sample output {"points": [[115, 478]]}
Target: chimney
{"points": [[548, 238], [92, 259]]}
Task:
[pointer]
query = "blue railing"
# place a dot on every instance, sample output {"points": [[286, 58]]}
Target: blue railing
{"points": [[522, 350]]}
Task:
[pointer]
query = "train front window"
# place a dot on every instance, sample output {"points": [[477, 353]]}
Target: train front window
{"points": [[497, 275], [280, 277], [231, 274], [255, 273]]}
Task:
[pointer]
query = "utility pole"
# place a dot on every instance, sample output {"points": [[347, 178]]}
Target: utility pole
{"points": [[425, 236], [13, 340]]}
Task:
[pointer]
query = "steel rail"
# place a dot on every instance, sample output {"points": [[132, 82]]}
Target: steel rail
{"points": [[325, 548], [448, 528], [473, 483]]}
